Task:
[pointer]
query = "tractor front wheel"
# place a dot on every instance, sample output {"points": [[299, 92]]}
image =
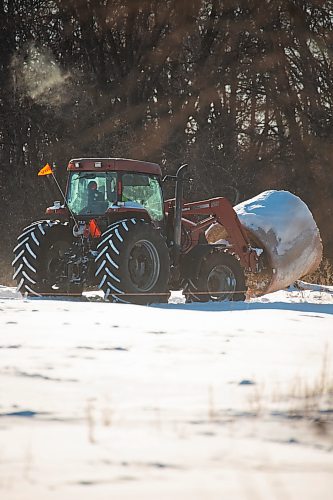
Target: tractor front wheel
{"points": [[219, 278]]}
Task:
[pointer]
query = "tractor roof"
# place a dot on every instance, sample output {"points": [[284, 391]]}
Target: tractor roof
{"points": [[103, 164]]}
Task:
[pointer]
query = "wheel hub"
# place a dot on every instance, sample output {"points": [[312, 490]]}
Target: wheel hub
{"points": [[144, 265], [221, 279]]}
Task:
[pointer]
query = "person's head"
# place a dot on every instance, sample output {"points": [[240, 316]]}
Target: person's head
{"points": [[92, 186]]}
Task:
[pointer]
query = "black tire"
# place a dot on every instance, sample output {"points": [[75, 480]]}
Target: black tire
{"points": [[132, 265], [219, 278], [38, 258]]}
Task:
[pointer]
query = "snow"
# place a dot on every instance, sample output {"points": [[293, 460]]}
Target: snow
{"points": [[182, 401]]}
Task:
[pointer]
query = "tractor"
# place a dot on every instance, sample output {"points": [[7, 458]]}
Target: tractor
{"points": [[115, 232]]}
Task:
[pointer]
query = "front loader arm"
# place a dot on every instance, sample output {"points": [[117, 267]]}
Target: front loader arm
{"points": [[221, 211]]}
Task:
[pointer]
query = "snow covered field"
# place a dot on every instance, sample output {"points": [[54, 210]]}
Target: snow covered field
{"points": [[181, 401]]}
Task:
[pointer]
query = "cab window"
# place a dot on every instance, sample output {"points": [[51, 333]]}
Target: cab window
{"points": [[90, 192], [144, 190]]}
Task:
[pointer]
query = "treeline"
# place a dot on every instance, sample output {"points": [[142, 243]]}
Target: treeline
{"points": [[241, 90]]}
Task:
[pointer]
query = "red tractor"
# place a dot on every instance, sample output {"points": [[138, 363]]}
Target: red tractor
{"points": [[115, 232]]}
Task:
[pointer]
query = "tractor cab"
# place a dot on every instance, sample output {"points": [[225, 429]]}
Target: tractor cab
{"points": [[101, 186]]}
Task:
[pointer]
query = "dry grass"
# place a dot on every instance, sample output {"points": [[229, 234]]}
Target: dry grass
{"points": [[323, 275], [256, 399], [304, 398], [309, 397]]}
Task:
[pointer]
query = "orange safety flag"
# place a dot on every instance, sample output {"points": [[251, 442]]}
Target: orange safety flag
{"points": [[47, 170], [94, 229]]}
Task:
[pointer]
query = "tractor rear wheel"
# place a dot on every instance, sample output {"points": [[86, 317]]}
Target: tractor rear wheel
{"points": [[39, 258], [132, 264], [219, 278]]}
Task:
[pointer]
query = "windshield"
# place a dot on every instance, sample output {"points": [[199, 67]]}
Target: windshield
{"points": [[94, 192], [145, 191], [91, 193]]}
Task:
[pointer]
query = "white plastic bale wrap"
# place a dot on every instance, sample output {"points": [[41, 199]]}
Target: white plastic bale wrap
{"points": [[283, 225]]}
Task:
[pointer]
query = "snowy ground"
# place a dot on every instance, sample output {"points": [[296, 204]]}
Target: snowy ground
{"points": [[199, 402]]}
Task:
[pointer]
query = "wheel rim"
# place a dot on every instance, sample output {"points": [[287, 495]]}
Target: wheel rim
{"points": [[144, 265], [221, 279]]}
